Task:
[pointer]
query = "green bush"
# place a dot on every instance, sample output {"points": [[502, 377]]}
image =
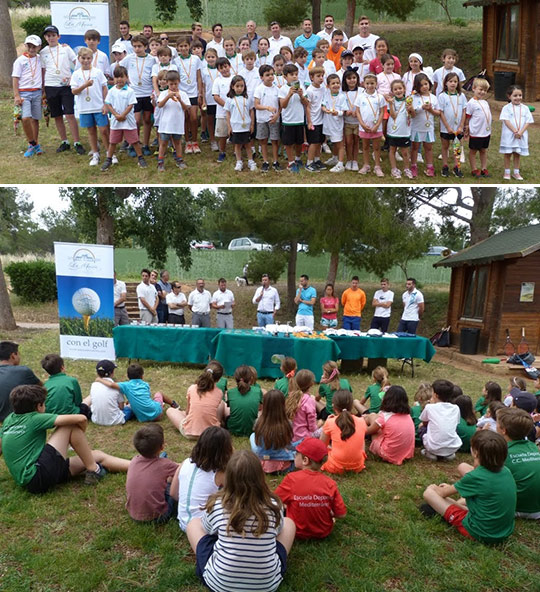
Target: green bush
{"points": [[289, 13], [34, 25], [33, 281], [459, 22], [272, 263]]}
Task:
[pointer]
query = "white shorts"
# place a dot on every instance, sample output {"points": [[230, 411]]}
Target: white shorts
{"points": [[304, 321], [221, 128]]}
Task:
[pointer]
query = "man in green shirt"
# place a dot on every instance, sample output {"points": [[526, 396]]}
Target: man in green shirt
{"points": [[64, 395]]}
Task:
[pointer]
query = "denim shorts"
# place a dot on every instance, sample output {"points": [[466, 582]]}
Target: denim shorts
{"points": [[31, 106], [166, 137], [93, 120]]}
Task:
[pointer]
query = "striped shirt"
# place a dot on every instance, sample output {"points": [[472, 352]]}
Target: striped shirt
{"points": [[241, 563]]}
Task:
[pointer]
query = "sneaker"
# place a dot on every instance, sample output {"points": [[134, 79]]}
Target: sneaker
{"points": [[30, 151], [408, 173], [161, 166], [114, 159], [141, 162], [63, 147], [355, 166], [299, 163], [265, 167], [107, 164], [155, 143], [93, 477], [131, 152], [427, 454], [348, 165], [214, 146], [79, 149], [420, 158], [517, 176], [326, 149], [339, 168], [507, 176], [430, 171], [94, 161], [180, 163], [277, 167], [221, 157], [399, 158], [320, 165], [293, 168], [189, 148], [448, 458], [252, 165], [365, 169], [204, 137], [484, 173], [385, 146], [38, 150], [331, 161], [414, 171], [124, 146], [396, 173], [312, 168], [378, 171], [457, 172], [239, 165], [427, 511], [146, 151], [445, 171], [475, 173], [196, 149]]}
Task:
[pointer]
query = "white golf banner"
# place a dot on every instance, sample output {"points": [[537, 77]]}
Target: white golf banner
{"points": [[73, 19], [85, 282]]}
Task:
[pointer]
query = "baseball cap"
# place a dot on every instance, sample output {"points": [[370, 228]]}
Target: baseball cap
{"points": [[51, 29], [118, 47], [526, 401], [346, 53], [313, 448], [358, 47], [105, 367], [33, 40]]}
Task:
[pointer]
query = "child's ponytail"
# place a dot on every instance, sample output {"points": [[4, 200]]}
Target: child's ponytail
{"points": [[331, 373], [205, 383], [342, 403], [243, 377]]}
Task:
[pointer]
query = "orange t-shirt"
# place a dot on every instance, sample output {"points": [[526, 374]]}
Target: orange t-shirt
{"points": [[353, 302], [345, 455], [335, 57]]}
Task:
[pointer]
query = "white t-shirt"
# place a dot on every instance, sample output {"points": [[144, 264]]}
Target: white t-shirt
{"points": [[149, 293], [333, 124], [217, 46], [400, 127], [220, 88], [452, 106], [383, 296], [28, 71], [90, 100], [252, 79], [119, 99], [424, 120], [209, 75], [350, 101], [127, 44], [226, 298], [99, 61], [140, 73], [195, 487], [119, 289], [303, 76], [440, 74], [236, 63], [58, 63], [277, 44], [279, 80], [441, 437], [328, 36], [239, 108], [361, 69], [263, 60], [411, 300], [104, 405], [171, 115], [268, 97], [293, 113], [315, 97], [188, 68], [173, 298], [517, 116], [368, 43], [329, 68], [200, 301], [371, 107], [480, 120], [157, 68]]}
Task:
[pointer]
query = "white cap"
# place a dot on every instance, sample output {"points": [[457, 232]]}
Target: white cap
{"points": [[34, 40], [118, 47]]}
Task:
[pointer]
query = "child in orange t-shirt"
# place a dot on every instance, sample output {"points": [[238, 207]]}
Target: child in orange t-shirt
{"points": [[353, 301], [346, 433]]}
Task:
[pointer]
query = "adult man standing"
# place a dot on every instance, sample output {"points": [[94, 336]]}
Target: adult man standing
{"points": [[196, 34], [148, 299], [277, 40], [223, 302], [120, 296], [306, 296], [125, 37], [217, 40], [329, 28], [164, 39], [308, 40], [382, 301], [199, 304], [353, 301], [336, 49], [166, 288], [148, 31], [266, 298], [364, 39], [12, 374], [176, 302], [413, 308], [251, 34]]}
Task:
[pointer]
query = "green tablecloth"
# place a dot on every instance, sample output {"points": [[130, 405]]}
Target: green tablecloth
{"points": [[164, 344], [233, 348], [353, 348]]}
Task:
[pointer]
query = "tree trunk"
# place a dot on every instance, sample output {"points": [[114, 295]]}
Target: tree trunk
{"points": [[332, 268], [291, 278], [7, 320], [349, 17], [316, 15], [115, 16], [8, 52], [484, 200], [105, 223]]}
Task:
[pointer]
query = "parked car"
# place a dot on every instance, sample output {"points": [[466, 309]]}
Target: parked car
{"points": [[203, 245], [248, 244], [439, 252]]}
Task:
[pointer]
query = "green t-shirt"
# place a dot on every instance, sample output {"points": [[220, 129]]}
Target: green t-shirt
{"points": [[222, 385], [282, 384], [465, 432], [416, 410], [375, 395], [244, 410], [491, 500], [481, 405], [24, 436], [63, 395], [325, 390], [523, 460]]}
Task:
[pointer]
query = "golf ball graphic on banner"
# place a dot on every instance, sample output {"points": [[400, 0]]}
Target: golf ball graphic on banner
{"points": [[87, 303]]}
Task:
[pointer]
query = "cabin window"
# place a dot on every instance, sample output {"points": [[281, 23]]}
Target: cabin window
{"points": [[475, 294], [508, 20]]}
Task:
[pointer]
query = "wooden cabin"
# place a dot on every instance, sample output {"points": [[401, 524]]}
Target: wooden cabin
{"points": [[495, 285], [511, 44]]}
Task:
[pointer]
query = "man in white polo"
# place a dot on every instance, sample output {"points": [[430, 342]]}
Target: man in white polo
{"points": [[217, 40], [120, 296], [329, 28], [277, 40], [147, 298], [266, 298], [223, 302], [199, 304], [176, 302], [364, 39], [382, 301], [413, 308]]}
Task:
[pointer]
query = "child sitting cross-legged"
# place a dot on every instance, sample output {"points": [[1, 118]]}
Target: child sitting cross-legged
{"points": [[467, 424], [38, 465], [421, 398], [149, 478], [314, 520], [244, 403], [300, 406], [107, 404], [487, 511]]}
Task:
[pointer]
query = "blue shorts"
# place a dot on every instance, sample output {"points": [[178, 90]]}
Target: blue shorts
{"points": [[93, 120], [31, 105], [351, 323], [166, 137]]}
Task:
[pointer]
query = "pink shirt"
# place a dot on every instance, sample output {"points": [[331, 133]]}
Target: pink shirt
{"points": [[394, 442], [384, 82], [305, 420], [202, 410], [330, 302]]}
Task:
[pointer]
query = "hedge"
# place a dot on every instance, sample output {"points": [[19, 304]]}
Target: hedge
{"points": [[33, 281]]}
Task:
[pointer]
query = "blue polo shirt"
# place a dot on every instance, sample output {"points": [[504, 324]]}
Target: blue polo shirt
{"points": [[306, 294], [308, 43]]}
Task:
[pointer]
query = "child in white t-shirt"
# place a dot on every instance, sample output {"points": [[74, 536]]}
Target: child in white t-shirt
{"points": [[351, 88], [278, 63], [240, 120], [424, 109], [266, 102], [319, 61], [300, 57], [172, 103], [452, 105], [100, 59], [314, 132], [220, 88], [370, 107], [107, 404], [209, 73], [89, 86], [334, 105], [249, 72], [164, 57], [449, 59], [399, 129], [263, 53], [478, 127]]}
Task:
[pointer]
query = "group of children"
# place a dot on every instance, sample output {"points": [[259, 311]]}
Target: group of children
{"points": [[220, 496], [265, 98]]}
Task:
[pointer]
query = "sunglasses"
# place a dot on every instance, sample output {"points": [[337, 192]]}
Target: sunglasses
{"points": [[164, 39]]}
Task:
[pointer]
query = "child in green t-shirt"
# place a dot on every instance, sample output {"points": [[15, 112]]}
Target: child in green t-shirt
{"points": [[330, 383], [466, 427], [64, 395], [217, 373], [288, 367], [421, 399], [487, 511], [491, 392], [37, 464], [373, 391], [244, 402]]}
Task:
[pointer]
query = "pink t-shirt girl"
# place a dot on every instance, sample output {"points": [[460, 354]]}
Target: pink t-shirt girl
{"points": [[305, 420], [394, 442], [330, 302], [202, 410]]}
